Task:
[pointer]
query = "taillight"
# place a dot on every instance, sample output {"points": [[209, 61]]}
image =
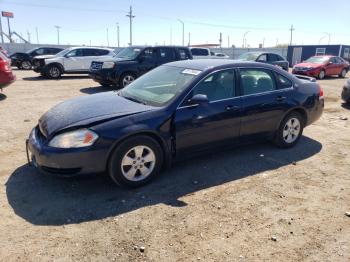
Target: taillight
{"points": [[321, 92]]}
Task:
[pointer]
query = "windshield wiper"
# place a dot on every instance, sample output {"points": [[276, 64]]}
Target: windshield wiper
{"points": [[133, 99]]}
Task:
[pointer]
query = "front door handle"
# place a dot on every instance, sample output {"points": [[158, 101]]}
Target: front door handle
{"points": [[281, 98]]}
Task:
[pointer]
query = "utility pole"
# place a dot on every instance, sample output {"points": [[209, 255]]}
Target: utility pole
{"points": [[291, 34], [171, 36], [228, 41], [28, 34], [183, 31], [220, 40], [189, 38], [58, 33], [1, 32], [107, 37], [131, 16], [37, 35], [9, 27], [244, 39], [118, 35], [276, 42]]}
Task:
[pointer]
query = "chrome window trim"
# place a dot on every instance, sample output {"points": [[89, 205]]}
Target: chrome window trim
{"points": [[241, 96]]}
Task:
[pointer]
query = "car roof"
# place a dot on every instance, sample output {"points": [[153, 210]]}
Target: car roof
{"points": [[206, 64], [90, 47]]}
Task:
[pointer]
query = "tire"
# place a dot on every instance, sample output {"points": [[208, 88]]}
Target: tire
{"points": [[321, 75], [54, 72], [343, 73], [128, 166], [290, 130], [26, 65], [126, 79]]}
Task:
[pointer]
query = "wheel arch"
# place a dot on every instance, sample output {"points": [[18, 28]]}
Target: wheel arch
{"points": [[59, 65], [162, 143], [299, 110]]}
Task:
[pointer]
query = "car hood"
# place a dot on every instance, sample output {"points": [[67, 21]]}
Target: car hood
{"points": [[86, 110], [44, 56], [308, 65]]}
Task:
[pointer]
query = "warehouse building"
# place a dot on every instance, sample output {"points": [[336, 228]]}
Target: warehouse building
{"points": [[299, 53]]}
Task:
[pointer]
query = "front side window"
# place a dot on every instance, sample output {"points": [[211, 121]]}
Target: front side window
{"points": [[255, 81], [262, 58], [217, 86], [166, 54], [75, 53], [199, 52]]}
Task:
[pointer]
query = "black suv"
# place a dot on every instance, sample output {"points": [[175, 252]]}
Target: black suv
{"points": [[25, 60], [132, 62]]}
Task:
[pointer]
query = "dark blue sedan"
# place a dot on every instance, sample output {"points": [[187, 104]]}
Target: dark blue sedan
{"points": [[177, 109]]}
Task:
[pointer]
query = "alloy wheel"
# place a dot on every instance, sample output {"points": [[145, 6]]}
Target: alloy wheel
{"points": [[26, 65], [127, 80], [291, 130], [54, 72], [138, 163]]}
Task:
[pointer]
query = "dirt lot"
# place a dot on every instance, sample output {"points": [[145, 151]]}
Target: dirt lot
{"points": [[220, 207]]}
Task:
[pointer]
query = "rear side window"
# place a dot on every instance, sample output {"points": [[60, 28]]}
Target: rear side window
{"points": [[262, 58], [91, 52], [274, 58], [199, 52], [184, 54], [255, 81], [283, 82], [166, 54], [102, 52]]}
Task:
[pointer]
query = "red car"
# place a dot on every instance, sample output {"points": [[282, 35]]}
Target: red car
{"points": [[6, 75], [321, 66]]}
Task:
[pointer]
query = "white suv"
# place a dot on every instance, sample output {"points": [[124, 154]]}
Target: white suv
{"points": [[74, 60]]}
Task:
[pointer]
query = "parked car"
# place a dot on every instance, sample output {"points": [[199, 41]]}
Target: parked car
{"points": [[202, 53], [321, 66], [264, 57], [6, 74], [171, 112], [134, 61], [25, 60], [222, 55], [74, 60], [345, 95]]}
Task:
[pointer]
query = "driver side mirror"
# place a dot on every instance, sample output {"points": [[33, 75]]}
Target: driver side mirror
{"points": [[330, 63], [199, 99]]}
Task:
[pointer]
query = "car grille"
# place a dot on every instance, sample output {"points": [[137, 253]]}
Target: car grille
{"points": [[96, 66]]}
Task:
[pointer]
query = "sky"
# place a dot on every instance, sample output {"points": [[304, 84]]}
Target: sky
{"points": [[86, 22]]}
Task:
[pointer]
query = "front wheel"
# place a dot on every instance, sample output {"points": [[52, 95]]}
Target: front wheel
{"points": [[126, 79], [290, 130], [54, 72], [321, 75], [135, 161], [26, 65]]}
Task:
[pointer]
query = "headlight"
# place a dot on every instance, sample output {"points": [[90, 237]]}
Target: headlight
{"points": [[74, 139], [107, 65]]}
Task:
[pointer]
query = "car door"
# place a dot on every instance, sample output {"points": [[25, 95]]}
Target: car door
{"points": [[74, 60], [90, 55], [340, 65], [211, 124], [165, 55], [265, 98], [332, 67], [147, 60]]}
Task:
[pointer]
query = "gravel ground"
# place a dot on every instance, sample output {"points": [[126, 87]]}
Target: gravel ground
{"points": [[253, 203]]}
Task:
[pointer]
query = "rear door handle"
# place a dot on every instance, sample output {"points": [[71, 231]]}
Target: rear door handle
{"points": [[281, 98], [231, 108]]}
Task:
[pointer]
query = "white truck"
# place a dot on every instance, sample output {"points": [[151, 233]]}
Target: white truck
{"points": [[203, 53]]}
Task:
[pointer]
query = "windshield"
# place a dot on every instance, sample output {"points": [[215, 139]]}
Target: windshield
{"points": [[159, 86], [317, 59], [129, 53], [248, 56]]}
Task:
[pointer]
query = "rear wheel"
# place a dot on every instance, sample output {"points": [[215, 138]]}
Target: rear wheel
{"points": [[321, 75], [135, 161], [290, 130], [54, 72], [26, 65], [126, 79], [343, 73]]}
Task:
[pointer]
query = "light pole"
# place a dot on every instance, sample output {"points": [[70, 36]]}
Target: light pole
{"points": [[118, 34], [183, 31], [329, 37], [107, 37], [58, 33], [244, 39]]}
